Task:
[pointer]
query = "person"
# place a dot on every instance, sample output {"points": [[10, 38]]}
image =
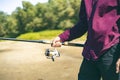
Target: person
{"points": [[101, 52]]}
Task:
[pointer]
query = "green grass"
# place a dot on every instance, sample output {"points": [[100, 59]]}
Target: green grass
{"points": [[47, 34]]}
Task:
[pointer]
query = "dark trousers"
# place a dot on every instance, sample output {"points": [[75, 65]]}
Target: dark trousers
{"points": [[104, 68]]}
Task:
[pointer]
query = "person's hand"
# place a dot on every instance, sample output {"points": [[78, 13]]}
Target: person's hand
{"points": [[56, 42], [118, 66]]}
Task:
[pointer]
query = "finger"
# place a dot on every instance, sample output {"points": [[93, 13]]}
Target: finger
{"points": [[58, 44], [117, 67], [55, 43]]}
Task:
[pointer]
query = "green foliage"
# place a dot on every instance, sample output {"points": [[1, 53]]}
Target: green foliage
{"points": [[55, 14], [66, 24], [3, 19], [34, 25], [11, 27]]}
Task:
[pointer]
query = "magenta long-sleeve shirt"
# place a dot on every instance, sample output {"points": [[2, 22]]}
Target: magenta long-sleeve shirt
{"points": [[101, 20]]}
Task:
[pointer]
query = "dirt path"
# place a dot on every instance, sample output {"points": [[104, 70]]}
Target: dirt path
{"points": [[26, 61]]}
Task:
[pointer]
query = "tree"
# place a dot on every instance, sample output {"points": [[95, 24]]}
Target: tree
{"points": [[25, 15], [66, 11], [11, 28], [3, 18], [56, 14], [35, 25]]}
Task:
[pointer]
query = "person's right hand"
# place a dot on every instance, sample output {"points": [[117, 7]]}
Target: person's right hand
{"points": [[56, 42]]}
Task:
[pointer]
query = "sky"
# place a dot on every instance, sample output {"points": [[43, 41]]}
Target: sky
{"points": [[8, 6]]}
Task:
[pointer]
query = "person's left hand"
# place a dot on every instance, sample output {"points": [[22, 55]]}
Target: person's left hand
{"points": [[118, 66]]}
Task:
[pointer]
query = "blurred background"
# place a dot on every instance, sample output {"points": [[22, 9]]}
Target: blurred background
{"points": [[27, 17], [37, 20]]}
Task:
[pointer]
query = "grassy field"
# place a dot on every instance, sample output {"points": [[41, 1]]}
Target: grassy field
{"points": [[47, 34]]}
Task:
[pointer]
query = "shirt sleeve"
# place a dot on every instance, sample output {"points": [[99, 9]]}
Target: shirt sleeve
{"points": [[78, 29], [118, 8]]}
